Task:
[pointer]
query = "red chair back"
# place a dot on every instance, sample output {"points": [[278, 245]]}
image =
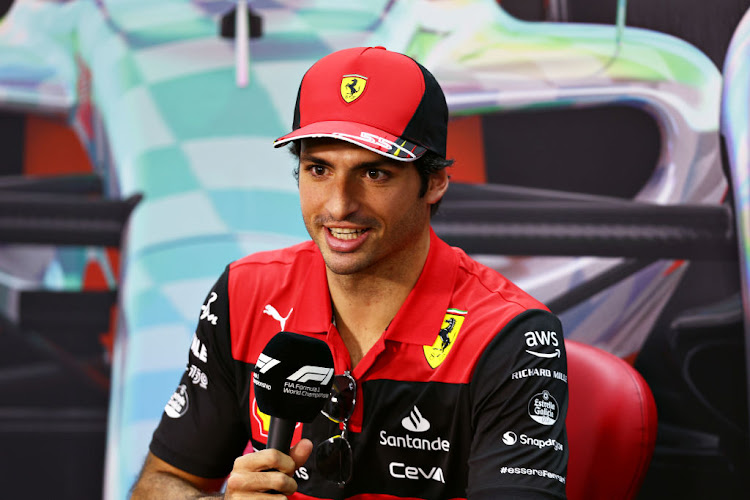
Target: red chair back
{"points": [[611, 425]]}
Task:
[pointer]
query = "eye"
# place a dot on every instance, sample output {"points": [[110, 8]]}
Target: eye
{"points": [[316, 170], [376, 174]]}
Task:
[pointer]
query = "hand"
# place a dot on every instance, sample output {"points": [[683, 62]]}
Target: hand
{"points": [[266, 473]]}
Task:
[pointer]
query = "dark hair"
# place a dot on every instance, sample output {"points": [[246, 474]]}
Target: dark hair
{"points": [[428, 164]]}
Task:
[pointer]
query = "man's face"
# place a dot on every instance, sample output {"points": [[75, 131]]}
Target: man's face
{"points": [[362, 209]]}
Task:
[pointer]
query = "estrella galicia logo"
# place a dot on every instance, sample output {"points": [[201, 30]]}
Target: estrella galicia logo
{"points": [[178, 404], [415, 422], [438, 351], [352, 86], [543, 408]]}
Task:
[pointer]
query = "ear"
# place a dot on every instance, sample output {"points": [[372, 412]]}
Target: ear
{"points": [[437, 187]]}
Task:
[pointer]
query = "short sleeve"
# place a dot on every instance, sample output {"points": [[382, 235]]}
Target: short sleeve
{"points": [[519, 399], [201, 430]]}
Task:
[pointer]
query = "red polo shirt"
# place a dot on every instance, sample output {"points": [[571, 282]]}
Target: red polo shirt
{"points": [[475, 363]]}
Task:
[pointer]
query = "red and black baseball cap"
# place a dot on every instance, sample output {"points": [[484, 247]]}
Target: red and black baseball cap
{"points": [[375, 98]]}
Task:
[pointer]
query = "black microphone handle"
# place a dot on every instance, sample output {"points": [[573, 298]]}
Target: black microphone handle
{"points": [[280, 433]]}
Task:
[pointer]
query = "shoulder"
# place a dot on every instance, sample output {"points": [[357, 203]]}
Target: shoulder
{"points": [[487, 310], [273, 266], [514, 320], [265, 288], [487, 289], [275, 258]]}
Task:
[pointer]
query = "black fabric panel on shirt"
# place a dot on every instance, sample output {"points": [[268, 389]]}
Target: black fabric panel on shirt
{"points": [[414, 442], [204, 429], [519, 398]]}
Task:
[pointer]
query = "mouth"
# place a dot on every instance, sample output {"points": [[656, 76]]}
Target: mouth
{"points": [[341, 233]]}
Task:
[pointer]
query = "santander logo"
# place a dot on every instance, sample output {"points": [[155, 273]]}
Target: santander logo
{"points": [[415, 422]]}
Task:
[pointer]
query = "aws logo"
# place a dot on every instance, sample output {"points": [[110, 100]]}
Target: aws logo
{"points": [[542, 338], [438, 351]]}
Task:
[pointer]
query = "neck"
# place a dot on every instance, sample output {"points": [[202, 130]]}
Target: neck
{"points": [[365, 303]]}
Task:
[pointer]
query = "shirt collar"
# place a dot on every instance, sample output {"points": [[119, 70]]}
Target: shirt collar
{"points": [[419, 319], [312, 299]]}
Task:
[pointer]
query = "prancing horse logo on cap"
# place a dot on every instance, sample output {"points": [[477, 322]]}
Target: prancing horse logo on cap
{"points": [[352, 86]]}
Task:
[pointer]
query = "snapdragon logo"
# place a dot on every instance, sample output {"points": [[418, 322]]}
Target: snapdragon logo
{"points": [[510, 438]]}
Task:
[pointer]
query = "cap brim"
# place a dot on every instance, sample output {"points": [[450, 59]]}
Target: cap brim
{"points": [[371, 138]]}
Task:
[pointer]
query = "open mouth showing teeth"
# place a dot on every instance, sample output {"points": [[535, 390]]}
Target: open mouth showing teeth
{"points": [[346, 234]]}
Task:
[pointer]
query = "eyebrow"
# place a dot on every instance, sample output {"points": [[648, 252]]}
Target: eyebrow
{"points": [[307, 157]]}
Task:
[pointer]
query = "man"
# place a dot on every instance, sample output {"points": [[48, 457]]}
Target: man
{"points": [[452, 380]]}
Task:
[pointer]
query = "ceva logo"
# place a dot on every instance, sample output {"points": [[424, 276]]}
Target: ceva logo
{"points": [[402, 471]]}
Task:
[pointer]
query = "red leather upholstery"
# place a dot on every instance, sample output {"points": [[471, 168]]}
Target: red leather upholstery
{"points": [[611, 425]]}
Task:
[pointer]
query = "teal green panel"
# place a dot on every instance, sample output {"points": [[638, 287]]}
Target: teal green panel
{"points": [[148, 392], [174, 262], [260, 211], [685, 71], [336, 19], [290, 45], [169, 33], [150, 308], [209, 104], [72, 262], [161, 172], [127, 73]]}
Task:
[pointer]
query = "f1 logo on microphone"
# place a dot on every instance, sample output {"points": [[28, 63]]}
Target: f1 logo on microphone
{"points": [[314, 373], [265, 363], [305, 374]]}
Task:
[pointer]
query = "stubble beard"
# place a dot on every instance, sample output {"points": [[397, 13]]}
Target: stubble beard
{"points": [[366, 260]]}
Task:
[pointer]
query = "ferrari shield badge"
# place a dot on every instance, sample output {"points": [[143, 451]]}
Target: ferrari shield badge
{"points": [[352, 86], [437, 352]]}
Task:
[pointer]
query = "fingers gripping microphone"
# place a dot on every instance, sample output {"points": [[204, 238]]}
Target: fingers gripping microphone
{"points": [[292, 379]]}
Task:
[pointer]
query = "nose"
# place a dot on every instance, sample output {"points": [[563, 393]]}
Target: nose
{"points": [[343, 198]]}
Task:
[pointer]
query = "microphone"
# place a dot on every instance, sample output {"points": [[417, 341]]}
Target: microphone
{"points": [[292, 379]]}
